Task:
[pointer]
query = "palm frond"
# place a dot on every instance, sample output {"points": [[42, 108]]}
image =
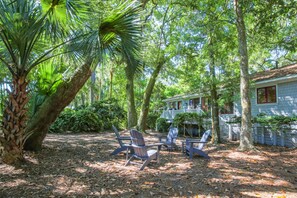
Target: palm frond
{"points": [[62, 16]]}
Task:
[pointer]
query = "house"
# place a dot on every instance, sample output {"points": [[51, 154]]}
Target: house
{"points": [[273, 92]]}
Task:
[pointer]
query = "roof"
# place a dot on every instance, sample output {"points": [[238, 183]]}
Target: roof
{"points": [[285, 71], [182, 96]]}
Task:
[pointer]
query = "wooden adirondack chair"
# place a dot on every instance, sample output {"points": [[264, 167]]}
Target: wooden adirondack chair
{"points": [[170, 139], [141, 150], [190, 149], [124, 142]]}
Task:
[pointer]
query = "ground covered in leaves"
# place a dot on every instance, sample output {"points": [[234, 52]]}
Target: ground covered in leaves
{"points": [[80, 166]]}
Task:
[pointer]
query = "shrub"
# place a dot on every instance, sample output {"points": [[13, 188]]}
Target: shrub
{"points": [[190, 119], [76, 121], [275, 122], [180, 118], [63, 122], [152, 119], [85, 121], [162, 125], [109, 112], [98, 116]]}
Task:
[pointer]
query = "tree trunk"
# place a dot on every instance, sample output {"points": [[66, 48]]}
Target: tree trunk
{"points": [[246, 142], [132, 114], [93, 82], [215, 123], [14, 121], [111, 83], [147, 96], [53, 105]]}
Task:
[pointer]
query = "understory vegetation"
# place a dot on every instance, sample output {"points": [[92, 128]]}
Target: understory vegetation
{"points": [[275, 122], [99, 116]]}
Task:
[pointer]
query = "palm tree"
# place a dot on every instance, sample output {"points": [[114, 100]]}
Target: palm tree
{"points": [[33, 32]]}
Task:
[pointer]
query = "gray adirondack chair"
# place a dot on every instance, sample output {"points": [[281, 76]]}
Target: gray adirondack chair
{"points": [[124, 142], [142, 151], [169, 141], [190, 149]]}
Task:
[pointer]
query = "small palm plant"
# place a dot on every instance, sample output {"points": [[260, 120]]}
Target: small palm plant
{"points": [[32, 32]]}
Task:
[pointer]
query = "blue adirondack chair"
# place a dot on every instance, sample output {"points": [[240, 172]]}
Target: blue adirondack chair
{"points": [[190, 149], [170, 139], [124, 142], [141, 150]]}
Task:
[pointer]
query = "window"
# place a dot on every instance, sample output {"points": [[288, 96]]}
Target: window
{"points": [[266, 95], [179, 105], [196, 102], [227, 108], [204, 103]]}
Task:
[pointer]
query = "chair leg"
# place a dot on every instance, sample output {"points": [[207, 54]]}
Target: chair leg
{"points": [[158, 157], [128, 162], [191, 150], [146, 162]]}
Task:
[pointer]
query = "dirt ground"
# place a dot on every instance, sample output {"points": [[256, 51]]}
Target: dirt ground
{"points": [[80, 166]]}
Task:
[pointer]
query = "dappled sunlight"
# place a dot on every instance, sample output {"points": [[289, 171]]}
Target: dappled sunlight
{"points": [[65, 186], [281, 194], [251, 157], [10, 170], [81, 170], [14, 183], [81, 166]]}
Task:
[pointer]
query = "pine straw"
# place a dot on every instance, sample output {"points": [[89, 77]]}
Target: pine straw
{"points": [[80, 166]]}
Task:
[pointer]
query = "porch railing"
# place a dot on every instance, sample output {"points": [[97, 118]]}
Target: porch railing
{"points": [[170, 114]]}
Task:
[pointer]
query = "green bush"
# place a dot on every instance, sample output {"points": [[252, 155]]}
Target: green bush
{"points": [[63, 122], [180, 118], [109, 112], [162, 125], [275, 122], [100, 115], [76, 121], [190, 119], [152, 119], [85, 121]]}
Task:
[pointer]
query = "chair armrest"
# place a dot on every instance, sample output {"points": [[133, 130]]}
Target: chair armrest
{"points": [[124, 138], [197, 141], [161, 137], [155, 144]]}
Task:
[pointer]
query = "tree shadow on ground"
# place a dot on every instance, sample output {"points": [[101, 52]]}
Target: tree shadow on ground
{"points": [[81, 166]]}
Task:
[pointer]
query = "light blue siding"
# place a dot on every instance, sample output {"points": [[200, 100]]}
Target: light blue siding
{"points": [[286, 101]]}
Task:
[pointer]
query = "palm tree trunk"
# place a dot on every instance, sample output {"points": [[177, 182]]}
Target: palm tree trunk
{"points": [[92, 88], [53, 105], [147, 96], [246, 142], [14, 121]]}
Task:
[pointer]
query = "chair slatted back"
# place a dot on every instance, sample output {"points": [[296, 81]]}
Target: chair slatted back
{"points": [[172, 135], [138, 144], [118, 135], [204, 139]]}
